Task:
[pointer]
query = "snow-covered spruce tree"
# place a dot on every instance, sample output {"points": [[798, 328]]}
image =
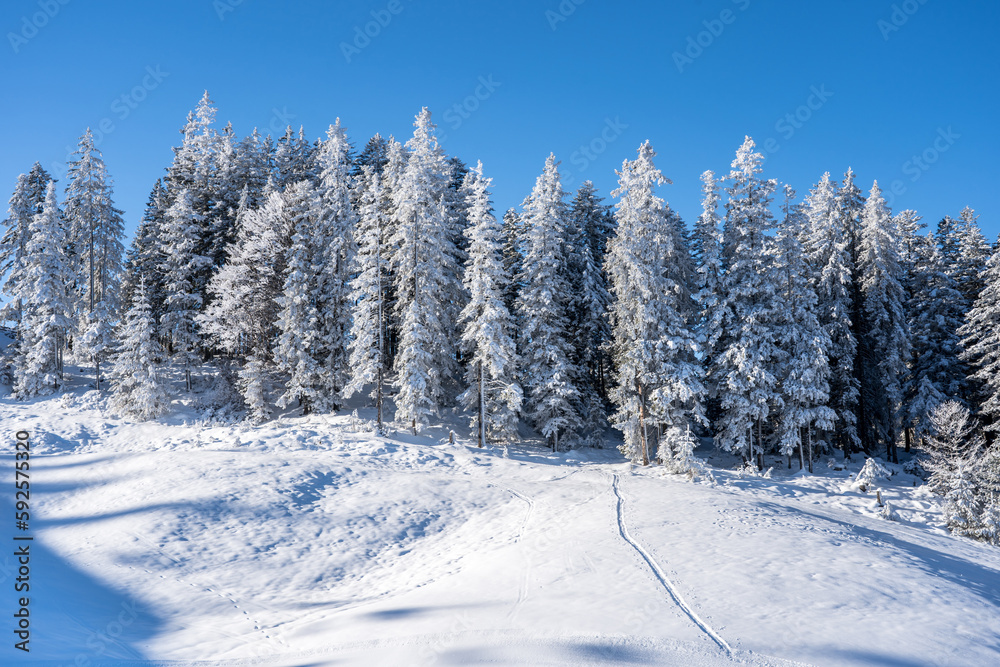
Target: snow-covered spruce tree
{"points": [[553, 398], [588, 309], [334, 243], [95, 231], [242, 316], [43, 292], [182, 266], [494, 394], [425, 277], [708, 284], [396, 158], [27, 201], [886, 345], [368, 347], [513, 257], [294, 159], [850, 205], [657, 376], [749, 358], [973, 253], [137, 388], [144, 258], [827, 241], [981, 345], [299, 335], [375, 155], [805, 375], [934, 310]]}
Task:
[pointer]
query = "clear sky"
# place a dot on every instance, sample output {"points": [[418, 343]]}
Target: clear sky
{"points": [[904, 92]]}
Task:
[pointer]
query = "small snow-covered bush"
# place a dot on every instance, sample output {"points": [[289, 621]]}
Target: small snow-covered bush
{"points": [[873, 471]]}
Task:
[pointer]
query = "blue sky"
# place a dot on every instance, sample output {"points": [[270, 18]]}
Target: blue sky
{"points": [[820, 86]]}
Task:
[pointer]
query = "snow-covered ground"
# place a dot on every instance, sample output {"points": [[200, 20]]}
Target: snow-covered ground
{"points": [[308, 541]]}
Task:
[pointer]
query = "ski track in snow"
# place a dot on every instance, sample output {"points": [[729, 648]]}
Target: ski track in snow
{"points": [[522, 591], [660, 574]]}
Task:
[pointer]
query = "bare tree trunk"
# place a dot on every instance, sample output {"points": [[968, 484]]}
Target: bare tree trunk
{"points": [[482, 408], [809, 440], [642, 423]]}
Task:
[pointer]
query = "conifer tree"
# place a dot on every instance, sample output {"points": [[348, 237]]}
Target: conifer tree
{"points": [[144, 258], [553, 399], [182, 266], [299, 332], [973, 253], [981, 345], [138, 390], [27, 201], [494, 394], [368, 349], [658, 378], [95, 230], [887, 345], [425, 276], [46, 304], [708, 286], [749, 357], [828, 239]]}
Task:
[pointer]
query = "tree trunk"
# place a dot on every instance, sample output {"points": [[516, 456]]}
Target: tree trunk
{"points": [[810, 442], [482, 408], [642, 423]]}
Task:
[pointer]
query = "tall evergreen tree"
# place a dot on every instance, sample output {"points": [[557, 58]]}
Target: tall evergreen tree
{"points": [[981, 344], [95, 230], [658, 378], [749, 358], [973, 253], [828, 239], [887, 345], [47, 305], [144, 258], [805, 376], [487, 328], [182, 266], [709, 285], [553, 399], [27, 201], [369, 351], [138, 389]]}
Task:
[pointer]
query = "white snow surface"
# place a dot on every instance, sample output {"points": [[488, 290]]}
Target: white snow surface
{"points": [[308, 541]]}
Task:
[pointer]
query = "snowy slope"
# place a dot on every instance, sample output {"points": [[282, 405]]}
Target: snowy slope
{"points": [[310, 542]]}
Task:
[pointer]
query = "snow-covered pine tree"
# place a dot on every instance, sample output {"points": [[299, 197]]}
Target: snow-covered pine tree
{"points": [[934, 312], [981, 345], [138, 391], [43, 291], [850, 203], [294, 160], [299, 322], [658, 379], [805, 375], [375, 154], [242, 315], [144, 258], [334, 243], [589, 308], [553, 399], [494, 394], [513, 257], [708, 285], [425, 275], [887, 344], [749, 358], [973, 253], [182, 266], [827, 241], [95, 231], [369, 361], [27, 201], [195, 171]]}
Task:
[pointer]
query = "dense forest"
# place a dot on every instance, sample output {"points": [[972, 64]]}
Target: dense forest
{"points": [[305, 272]]}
